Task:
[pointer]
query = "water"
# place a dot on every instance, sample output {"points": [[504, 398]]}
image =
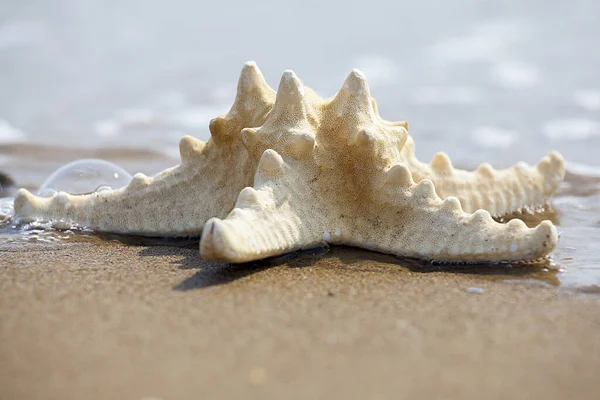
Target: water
{"points": [[497, 81]]}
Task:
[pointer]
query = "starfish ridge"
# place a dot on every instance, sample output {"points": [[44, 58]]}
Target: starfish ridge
{"points": [[314, 171]]}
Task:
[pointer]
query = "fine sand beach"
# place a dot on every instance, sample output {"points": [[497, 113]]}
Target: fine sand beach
{"points": [[93, 317], [96, 319]]}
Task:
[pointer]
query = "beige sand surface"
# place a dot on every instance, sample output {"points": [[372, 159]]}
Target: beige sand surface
{"points": [[90, 320]]}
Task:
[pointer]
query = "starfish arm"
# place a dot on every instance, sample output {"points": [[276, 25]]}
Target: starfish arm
{"points": [[415, 222], [267, 220], [167, 204], [154, 206], [500, 192], [247, 235]]}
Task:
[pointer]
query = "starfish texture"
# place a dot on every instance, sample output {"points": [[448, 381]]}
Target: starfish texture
{"points": [[311, 171]]}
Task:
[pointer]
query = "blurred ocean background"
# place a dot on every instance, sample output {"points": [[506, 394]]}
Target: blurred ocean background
{"points": [[496, 81]]}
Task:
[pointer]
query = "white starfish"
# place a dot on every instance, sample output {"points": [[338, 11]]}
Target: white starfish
{"points": [[322, 172]]}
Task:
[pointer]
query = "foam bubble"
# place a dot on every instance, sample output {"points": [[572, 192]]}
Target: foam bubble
{"points": [[85, 176]]}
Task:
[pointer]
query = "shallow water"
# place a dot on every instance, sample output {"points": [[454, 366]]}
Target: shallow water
{"points": [[484, 81]]}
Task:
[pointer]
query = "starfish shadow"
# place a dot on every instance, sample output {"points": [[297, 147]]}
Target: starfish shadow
{"points": [[210, 273], [218, 274], [542, 271]]}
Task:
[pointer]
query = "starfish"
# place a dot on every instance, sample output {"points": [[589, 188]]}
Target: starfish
{"points": [[288, 170]]}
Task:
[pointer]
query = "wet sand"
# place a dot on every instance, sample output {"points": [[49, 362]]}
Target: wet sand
{"points": [[90, 320]]}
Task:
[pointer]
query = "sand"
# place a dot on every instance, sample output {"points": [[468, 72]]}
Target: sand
{"points": [[103, 320]]}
